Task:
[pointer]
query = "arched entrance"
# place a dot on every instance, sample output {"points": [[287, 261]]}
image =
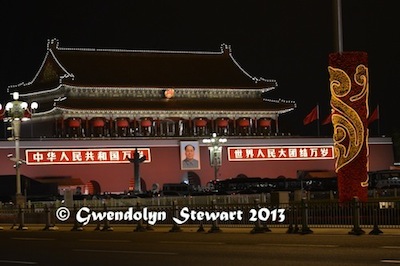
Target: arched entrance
{"points": [[143, 186], [191, 178], [92, 188]]}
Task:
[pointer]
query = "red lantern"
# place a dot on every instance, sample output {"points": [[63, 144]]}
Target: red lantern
{"points": [[222, 123], [146, 123], [265, 123], [122, 123], [244, 122], [201, 122], [98, 122], [74, 123]]}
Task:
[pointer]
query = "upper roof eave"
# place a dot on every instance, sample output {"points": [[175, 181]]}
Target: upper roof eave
{"points": [[75, 74]]}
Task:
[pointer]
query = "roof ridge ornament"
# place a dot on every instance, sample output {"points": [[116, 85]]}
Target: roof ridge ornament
{"points": [[226, 49], [53, 44]]}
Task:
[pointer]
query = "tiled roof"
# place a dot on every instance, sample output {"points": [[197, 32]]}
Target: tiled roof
{"points": [[133, 68]]}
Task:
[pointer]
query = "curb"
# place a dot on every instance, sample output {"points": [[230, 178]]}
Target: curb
{"points": [[195, 229]]}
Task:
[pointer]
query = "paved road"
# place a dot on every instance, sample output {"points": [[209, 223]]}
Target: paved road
{"points": [[231, 247]]}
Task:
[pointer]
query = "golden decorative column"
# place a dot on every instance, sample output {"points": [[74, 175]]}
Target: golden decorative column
{"points": [[349, 86]]}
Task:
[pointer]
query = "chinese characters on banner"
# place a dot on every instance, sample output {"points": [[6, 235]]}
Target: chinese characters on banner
{"points": [[280, 153], [83, 156]]}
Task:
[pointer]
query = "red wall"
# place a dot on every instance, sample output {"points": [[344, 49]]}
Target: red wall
{"points": [[165, 167]]}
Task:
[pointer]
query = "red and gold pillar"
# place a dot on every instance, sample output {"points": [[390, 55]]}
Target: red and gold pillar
{"points": [[349, 88]]}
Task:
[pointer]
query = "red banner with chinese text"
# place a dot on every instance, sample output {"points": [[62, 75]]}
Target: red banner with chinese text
{"points": [[83, 156], [280, 153]]}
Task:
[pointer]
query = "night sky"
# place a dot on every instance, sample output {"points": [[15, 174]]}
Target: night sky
{"points": [[276, 39]]}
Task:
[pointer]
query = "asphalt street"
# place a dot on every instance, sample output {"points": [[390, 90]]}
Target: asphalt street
{"points": [[123, 246]]}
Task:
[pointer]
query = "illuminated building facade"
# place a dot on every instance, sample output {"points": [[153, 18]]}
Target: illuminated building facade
{"points": [[97, 105], [121, 93]]}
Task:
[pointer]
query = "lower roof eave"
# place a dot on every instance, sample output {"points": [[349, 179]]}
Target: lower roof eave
{"points": [[58, 112]]}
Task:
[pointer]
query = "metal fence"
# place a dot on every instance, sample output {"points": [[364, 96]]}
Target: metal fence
{"points": [[235, 211]]}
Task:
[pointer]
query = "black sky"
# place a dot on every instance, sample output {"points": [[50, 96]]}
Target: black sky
{"points": [[280, 39]]}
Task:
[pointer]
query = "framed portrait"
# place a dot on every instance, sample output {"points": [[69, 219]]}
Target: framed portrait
{"points": [[190, 155]]}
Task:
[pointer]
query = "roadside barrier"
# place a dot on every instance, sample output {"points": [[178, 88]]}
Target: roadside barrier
{"points": [[259, 216], [304, 219], [292, 219], [201, 224], [175, 212], [214, 227], [257, 225], [356, 218], [106, 226], [376, 230], [139, 226], [50, 224], [77, 226], [21, 215]]}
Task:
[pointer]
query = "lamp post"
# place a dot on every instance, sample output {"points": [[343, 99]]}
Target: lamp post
{"points": [[136, 161], [15, 112], [215, 148]]}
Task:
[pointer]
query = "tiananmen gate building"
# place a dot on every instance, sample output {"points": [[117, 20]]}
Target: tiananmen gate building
{"points": [[96, 106]]}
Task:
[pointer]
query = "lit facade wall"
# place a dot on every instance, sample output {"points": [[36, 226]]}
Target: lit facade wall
{"points": [[165, 165]]}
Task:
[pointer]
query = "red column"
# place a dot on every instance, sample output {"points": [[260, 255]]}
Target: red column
{"points": [[62, 127], [87, 127], [348, 73]]}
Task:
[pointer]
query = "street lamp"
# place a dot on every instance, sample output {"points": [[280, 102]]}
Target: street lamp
{"points": [[215, 149], [15, 112], [136, 161]]}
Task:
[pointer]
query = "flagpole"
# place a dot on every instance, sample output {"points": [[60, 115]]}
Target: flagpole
{"points": [[379, 121], [338, 25]]}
